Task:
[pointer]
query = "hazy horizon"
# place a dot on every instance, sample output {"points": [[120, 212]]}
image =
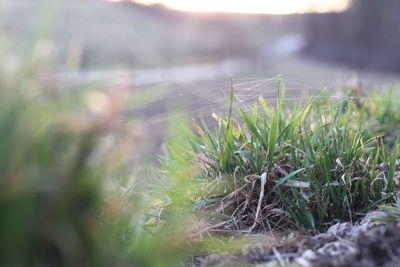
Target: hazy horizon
{"points": [[251, 6]]}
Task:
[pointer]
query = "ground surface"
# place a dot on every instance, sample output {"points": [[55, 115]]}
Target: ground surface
{"points": [[367, 243]]}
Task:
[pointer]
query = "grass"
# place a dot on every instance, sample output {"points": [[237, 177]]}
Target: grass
{"points": [[304, 167]]}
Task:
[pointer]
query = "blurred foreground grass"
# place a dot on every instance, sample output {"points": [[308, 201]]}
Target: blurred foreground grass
{"points": [[70, 192]]}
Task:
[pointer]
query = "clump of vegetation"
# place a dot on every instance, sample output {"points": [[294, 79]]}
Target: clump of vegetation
{"points": [[305, 167]]}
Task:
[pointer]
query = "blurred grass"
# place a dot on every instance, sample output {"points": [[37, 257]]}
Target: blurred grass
{"points": [[73, 190]]}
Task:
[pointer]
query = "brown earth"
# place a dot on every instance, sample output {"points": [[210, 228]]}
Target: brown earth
{"points": [[367, 243]]}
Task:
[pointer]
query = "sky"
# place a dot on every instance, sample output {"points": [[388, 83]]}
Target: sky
{"points": [[253, 6]]}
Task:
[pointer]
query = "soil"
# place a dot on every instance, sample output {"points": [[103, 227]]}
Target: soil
{"points": [[366, 243]]}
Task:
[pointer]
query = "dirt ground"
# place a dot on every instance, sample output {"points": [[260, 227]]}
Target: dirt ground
{"points": [[367, 243]]}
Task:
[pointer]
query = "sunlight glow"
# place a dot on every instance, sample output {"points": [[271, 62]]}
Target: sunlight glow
{"points": [[253, 6]]}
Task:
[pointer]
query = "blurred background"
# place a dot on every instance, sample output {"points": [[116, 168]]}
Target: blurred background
{"points": [[183, 55]]}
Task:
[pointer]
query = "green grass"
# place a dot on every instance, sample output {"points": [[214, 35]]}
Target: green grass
{"points": [[386, 113], [324, 162], [392, 213]]}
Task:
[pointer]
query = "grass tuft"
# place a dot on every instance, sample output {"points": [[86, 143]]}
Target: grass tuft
{"points": [[323, 162]]}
